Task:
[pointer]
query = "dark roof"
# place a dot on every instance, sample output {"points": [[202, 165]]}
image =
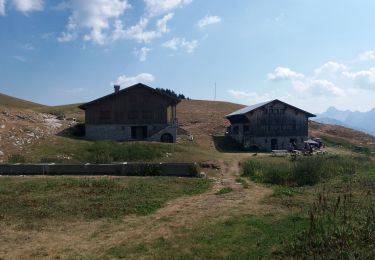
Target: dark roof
{"points": [[248, 109], [174, 99]]}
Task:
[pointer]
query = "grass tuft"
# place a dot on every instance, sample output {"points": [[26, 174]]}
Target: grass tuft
{"points": [[224, 191]]}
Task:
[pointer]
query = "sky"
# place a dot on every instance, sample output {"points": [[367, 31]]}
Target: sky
{"points": [[310, 53]]}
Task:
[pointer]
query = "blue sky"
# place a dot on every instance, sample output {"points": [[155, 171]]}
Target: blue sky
{"points": [[312, 54]]}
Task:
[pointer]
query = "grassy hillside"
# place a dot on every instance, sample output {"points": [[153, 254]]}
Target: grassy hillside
{"points": [[250, 205], [12, 102]]}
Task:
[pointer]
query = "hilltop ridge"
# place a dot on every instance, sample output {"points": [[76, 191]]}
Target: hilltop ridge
{"points": [[13, 102], [20, 120]]}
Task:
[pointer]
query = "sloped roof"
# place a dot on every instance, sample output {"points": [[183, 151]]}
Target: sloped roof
{"points": [[248, 109], [174, 99]]}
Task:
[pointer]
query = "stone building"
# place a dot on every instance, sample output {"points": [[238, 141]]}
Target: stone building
{"points": [[138, 112], [272, 125]]}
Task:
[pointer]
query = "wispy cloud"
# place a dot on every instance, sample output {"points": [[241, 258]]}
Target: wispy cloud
{"points": [[142, 53], [181, 43], [330, 67], [20, 58], [157, 7], [366, 56], [139, 32], [95, 15], [28, 5], [126, 81], [24, 6], [2, 7], [284, 73], [208, 20], [73, 92], [28, 46]]}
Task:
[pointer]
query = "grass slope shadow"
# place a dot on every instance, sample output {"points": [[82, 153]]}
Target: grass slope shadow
{"points": [[225, 144]]}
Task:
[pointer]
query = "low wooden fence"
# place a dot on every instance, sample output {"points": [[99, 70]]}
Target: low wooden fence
{"points": [[119, 169]]}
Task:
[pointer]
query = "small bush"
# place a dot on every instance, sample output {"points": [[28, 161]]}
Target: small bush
{"points": [[16, 158], [341, 227]]}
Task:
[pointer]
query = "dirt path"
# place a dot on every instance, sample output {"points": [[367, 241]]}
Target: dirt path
{"points": [[93, 238]]}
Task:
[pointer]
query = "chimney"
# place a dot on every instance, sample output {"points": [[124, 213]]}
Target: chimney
{"points": [[117, 88]]}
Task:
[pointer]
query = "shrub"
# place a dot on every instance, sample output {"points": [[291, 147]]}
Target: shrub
{"points": [[300, 171], [307, 171], [16, 158], [340, 227]]}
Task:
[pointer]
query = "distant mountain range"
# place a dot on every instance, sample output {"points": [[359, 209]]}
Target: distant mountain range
{"points": [[363, 121]]}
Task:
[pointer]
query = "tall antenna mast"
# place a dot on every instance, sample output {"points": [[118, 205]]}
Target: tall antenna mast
{"points": [[215, 92]]}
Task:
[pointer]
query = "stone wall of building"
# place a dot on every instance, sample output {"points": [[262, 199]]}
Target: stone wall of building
{"points": [[123, 132]]}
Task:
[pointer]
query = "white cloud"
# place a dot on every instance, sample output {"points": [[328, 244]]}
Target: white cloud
{"points": [[139, 31], [71, 32], [126, 81], [64, 5], [23, 5], [300, 86], [242, 94], [157, 7], [208, 20], [283, 73], [328, 87], [319, 87], [330, 67], [20, 58], [2, 7], [75, 91], [368, 55], [366, 76], [28, 46], [94, 15], [279, 18], [28, 5], [142, 53], [181, 43]]}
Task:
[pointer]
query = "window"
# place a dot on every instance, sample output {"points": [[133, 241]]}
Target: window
{"points": [[236, 130], [246, 128]]}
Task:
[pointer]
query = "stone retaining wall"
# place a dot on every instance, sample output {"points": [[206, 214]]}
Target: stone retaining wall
{"points": [[123, 169]]}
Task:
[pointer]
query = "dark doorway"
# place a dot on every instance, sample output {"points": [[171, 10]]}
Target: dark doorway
{"points": [[139, 132], [274, 145], [166, 138]]}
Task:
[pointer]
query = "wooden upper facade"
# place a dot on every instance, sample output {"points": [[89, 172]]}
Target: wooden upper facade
{"points": [[273, 118], [136, 105]]}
